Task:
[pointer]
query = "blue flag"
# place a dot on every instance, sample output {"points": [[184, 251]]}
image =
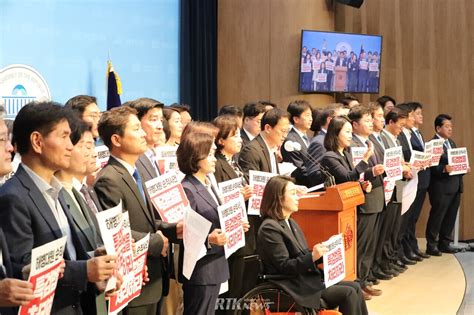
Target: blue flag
{"points": [[114, 87]]}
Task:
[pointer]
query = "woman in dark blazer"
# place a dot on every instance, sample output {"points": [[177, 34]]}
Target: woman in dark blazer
{"points": [[229, 143], [338, 159], [284, 251], [196, 159]]}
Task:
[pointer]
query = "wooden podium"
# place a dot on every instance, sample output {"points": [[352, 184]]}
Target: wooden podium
{"points": [[340, 78], [324, 214]]}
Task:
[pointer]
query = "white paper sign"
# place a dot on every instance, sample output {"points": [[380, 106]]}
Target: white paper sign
{"points": [[230, 190], [436, 151], [257, 180], [321, 77], [388, 187], [409, 192], [420, 160], [230, 217], [44, 274], [357, 154], [103, 155], [392, 162], [166, 158], [195, 231], [168, 196], [457, 158], [117, 240], [334, 260]]}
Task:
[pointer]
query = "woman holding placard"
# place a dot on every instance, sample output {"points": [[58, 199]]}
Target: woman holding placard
{"points": [[284, 251]]}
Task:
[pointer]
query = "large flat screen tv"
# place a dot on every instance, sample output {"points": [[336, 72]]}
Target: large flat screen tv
{"points": [[339, 62]]}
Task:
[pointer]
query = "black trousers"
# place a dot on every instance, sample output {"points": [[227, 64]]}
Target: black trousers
{"points": [[409, 241], [347, 296], [387, 224], [200, 299], [150, 309], [367, 235], [444, 208]]}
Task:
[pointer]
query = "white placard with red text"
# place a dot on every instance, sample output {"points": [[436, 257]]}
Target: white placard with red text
{"points": [[392, 162], [357, 154], [230, 217], [168, 197], [420, 160], [165, 156], [257, 180], [334, 260], [103, 155], [230, 190], [436, 151], [388, 188], [45, 267], [132, 284], [457, 158]]}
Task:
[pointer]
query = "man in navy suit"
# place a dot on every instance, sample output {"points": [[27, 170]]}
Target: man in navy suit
{"points": [[444, 193], [409, 241], [34, 214], [253, 113], [14, 292], [301, 118]]}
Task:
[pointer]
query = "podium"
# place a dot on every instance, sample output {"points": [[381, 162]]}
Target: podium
{"points": [[340, 78], [324, 214]]}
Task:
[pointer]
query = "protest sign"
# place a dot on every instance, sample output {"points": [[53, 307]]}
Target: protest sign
{"points": [[168, 197], [334, 260], [230, 190], [44, 274], [257, 180], [457, 158], [165, 158], [388, 187], [103, 155], [133, 282], [409, 192], [436, 151], [357, 154], [117, 241], [392, 162], [420, 160], [230, 217]]}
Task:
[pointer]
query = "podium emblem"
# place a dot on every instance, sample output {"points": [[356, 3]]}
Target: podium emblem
{"points": [[348, 237]]}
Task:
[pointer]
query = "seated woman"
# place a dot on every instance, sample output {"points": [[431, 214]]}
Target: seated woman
{"points": [[284, 251]]}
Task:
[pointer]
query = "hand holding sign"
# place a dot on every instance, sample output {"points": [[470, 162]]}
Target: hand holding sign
{"points": [[217, 237], [318, 251], [101, 268], [15, 292]]}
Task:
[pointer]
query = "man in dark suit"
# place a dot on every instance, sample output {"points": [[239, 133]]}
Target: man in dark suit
{"points": [[367, 214], [395, 120], [118, 181], [405, 140], [32, 214], [316, 148], [301, 118], [14, 292], [384, 227], [444, 193], [150, 114], [424, 176], [253, 113]]}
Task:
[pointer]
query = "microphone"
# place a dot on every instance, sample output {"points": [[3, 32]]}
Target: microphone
{"points": [[292, 146]]}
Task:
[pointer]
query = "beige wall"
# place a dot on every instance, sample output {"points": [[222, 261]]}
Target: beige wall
{"points": [[427, 57], [258, 49]]}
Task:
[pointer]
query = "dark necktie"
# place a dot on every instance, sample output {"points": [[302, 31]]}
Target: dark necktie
{"points": [[447, 144], [88, 199], [138, 179], [373, 158], [305, 139]]}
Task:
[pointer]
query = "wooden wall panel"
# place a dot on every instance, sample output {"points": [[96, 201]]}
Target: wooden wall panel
{"points": [[258, 48], [427, 57]]}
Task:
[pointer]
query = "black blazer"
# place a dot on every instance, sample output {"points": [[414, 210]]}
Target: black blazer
{"points": [[405, 146], [316, 150], [255, 156], [28, 222], [425, 175], [285, 253], [114, 183], [212, 269], [298, 158], [224, 170], [5, 271], [441, 182], [341, 167], [245, 138], [375, 199]]}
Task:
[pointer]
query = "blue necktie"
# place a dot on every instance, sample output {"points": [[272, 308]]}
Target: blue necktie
{"points": [[138, 179]]}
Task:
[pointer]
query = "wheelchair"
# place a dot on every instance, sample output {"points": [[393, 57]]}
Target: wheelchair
{"points": [[265, 298]]}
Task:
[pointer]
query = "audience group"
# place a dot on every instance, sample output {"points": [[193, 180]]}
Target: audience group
{"points": [[56, 189]]}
